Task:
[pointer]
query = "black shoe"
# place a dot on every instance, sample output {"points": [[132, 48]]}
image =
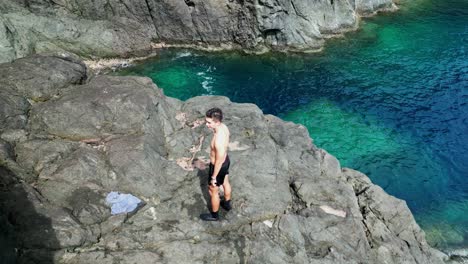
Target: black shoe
{"points": [[226, 205], [209, 217]]}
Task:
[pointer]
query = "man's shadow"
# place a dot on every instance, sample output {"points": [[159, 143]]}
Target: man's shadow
{"points": [[202, 175]]}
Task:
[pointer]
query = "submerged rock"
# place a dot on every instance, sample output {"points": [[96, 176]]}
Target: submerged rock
{"points": [[292, 202], [101, 28]]}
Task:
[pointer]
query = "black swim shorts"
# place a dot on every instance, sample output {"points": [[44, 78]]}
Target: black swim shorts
{"points": [[222, 172]]}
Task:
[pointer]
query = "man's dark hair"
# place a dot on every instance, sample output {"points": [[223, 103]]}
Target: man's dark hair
{"points": [[215, 113]]}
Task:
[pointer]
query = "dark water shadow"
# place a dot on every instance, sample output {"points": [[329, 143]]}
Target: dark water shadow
{"points": [[26, 236]]}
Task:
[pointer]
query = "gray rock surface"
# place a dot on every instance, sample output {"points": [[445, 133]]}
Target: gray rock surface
{"points": [[101, 28], [18, 89], [292, 202]]}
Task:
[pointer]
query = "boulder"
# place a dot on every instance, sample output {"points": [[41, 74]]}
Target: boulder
{"points": [[37, 78]]}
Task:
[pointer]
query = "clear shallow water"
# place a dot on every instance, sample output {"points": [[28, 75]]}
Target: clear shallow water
{"points": [[390, 100]]}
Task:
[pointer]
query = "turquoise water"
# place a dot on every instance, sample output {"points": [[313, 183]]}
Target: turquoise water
{"points": [[389, 100]]}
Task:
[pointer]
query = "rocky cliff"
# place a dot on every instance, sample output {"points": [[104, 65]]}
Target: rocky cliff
{"points": [[101, 28], [68, 139]]}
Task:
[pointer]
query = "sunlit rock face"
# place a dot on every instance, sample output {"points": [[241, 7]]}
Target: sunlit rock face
{"points": [[131, 28]]}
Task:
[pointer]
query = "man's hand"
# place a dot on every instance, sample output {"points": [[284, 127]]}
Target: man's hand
{"points": [[213, 181]]}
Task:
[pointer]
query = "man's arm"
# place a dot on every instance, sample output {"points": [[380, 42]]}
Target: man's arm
{"points": [[219, 154]]}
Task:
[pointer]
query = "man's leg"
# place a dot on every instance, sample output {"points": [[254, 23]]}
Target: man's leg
{"points": [[214, 197], [214, 193], [226, 204], [227, 189]]}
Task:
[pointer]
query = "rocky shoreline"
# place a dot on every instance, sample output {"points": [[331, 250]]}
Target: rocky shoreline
{"points": [[68, 138], [125, 29]]}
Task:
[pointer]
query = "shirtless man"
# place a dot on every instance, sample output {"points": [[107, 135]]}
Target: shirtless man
{"points": [[219, 166]]}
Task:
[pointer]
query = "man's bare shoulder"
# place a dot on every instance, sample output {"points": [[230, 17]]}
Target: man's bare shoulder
{"points": [[225, 131], [223, 134], [226, 128]]}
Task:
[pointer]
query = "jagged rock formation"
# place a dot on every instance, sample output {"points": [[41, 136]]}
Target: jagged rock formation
{"points": [[68, 139], [129, 28]]}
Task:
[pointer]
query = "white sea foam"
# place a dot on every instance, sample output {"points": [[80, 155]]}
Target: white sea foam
{"points": [[206, 84], [462, 252], [207, 81], [182, 55], [459, 255]]}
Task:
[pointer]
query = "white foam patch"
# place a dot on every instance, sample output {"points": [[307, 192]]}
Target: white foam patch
{"points": [[208, 81], [183, 54], [207, 86], [462, 252]]}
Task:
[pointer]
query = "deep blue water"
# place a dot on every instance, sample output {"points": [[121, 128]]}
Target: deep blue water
{"points": [[389, 100]]}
